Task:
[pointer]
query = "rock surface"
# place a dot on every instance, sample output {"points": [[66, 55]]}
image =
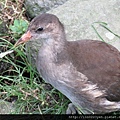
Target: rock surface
{"points": [[78, 17], [84, 13], [6, 107], [35, 7]]}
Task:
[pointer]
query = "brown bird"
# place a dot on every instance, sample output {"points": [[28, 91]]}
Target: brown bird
{"points": [[85, 71]]}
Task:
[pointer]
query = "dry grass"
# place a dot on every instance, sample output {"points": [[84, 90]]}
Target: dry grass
{"points": [[12, 10], [9, 11]]}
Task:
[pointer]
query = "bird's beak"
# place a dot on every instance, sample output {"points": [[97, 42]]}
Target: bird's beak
{"points": [[25, 37]]}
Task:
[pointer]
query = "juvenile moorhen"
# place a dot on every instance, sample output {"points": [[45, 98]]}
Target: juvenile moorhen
{"points": [[85, 71]]}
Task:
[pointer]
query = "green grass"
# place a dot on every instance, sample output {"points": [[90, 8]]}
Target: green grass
{"points": [[22, 81], [103, 25]]}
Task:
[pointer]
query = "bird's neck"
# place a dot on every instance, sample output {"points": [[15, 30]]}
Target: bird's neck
{"points": [[51, 54], [54, 44]]}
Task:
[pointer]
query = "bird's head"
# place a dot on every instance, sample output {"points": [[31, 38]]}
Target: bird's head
{"points": [[42, 27]]}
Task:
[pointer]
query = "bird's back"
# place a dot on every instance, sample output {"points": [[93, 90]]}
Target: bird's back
{"points": [[100, 62]]}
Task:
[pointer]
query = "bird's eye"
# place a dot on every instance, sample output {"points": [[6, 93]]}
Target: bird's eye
{"points": [[39, 29]]}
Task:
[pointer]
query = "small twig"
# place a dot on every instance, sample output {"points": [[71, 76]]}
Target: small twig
{"points": [[3, 93], [97, 33], [30, 94]]}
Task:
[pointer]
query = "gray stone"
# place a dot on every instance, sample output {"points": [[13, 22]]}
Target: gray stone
{"points": [[35, 7], [78, 17], [6, 107]]}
